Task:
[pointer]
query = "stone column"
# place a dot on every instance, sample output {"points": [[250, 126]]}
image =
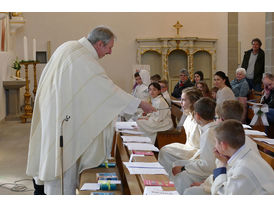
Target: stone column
{"points": [[269, 42], [232, 44]]}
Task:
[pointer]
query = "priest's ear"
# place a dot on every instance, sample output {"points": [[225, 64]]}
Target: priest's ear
{"points": [[99, 44]]}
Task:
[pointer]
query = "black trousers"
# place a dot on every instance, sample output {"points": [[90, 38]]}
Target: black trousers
{"points": [[38, 189]]}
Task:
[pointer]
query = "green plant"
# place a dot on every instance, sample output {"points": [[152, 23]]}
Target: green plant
{"points": [[16, 64]]}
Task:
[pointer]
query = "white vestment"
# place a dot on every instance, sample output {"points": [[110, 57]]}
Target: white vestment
{"points": [[198, 170], [205, 188], [177, 151], [157, 121], [247, 174], [74, 83]]}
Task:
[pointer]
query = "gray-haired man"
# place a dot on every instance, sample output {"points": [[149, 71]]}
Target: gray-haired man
{"points": [[74, 83], [183, 83]]}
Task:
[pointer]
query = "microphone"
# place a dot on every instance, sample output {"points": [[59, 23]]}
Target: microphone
{"points": [[61, 154], [61, 137]]}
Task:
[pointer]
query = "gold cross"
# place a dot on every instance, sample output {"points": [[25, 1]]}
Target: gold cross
{"points": [[178, 26]]}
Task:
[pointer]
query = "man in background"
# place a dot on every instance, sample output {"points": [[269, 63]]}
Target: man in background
{"points": [[253, 62]]}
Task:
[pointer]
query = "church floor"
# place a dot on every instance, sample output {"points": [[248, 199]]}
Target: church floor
{"points": [[14, 140]]}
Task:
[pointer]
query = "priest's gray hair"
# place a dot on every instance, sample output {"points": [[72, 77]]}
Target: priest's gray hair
{"points": [[100, 33]]}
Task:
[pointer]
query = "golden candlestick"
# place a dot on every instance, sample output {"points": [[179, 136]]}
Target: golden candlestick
{"points": [[27, 95], [35, 80]]}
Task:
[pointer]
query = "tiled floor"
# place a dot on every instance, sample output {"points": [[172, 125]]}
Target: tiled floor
{"points": [[14, 140]]}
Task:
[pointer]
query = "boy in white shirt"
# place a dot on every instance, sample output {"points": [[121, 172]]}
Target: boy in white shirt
{"points": [[229, 109], [164, 88], [243, 171], [195, 170]]}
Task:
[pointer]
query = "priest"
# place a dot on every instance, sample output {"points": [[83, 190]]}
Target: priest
{"points": [[74, 83]]}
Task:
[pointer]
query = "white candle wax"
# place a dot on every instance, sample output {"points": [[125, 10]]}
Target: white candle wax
{"points": [[25, 48], [34, 49]]}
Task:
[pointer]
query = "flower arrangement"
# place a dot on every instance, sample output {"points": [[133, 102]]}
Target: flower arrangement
{"points": [[16, 64]]}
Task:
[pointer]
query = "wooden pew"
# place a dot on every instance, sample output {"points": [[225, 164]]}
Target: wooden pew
{"points": [[170, 136], [266, 150], [134, 184], [268, 158], [131, 184], [173, 135]]}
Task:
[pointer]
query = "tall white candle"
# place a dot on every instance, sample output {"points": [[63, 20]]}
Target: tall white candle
{"points": [[25, 48], [34, 49]]}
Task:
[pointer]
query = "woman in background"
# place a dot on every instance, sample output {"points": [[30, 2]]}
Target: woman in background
{"points": [[198, 76], [224, 92]]}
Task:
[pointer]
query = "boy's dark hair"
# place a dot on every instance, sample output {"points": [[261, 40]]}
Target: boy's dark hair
{"points": [[136, 74], [155, 77], [230, 109], [205, 107], [232, 132]]}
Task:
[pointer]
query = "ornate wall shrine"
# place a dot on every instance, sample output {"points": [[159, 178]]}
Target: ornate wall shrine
{"points": [[168, 55]]}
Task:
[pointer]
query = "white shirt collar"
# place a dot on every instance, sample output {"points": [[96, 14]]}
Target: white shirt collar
{"points": [[85, 42], [205, 127], [235, 154]]}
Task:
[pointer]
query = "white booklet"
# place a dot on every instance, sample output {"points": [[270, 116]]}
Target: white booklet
{"points": [[266, 140], [155, 165], [254, 132], [245, 126], [131, 132], [147, 171], [125, 125], [158, 190], [90, 186], [151, 168], [141, 146], [136, 139]]}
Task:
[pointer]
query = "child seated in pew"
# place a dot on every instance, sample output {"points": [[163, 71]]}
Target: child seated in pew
{"points": [[213, 92], [186, 172], [177, 151], [140, 89], [159, 120], [229, 109], [164, 89], [243, 171]]}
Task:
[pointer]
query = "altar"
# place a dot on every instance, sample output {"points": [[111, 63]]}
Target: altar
{"points": [[12, 90]]}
